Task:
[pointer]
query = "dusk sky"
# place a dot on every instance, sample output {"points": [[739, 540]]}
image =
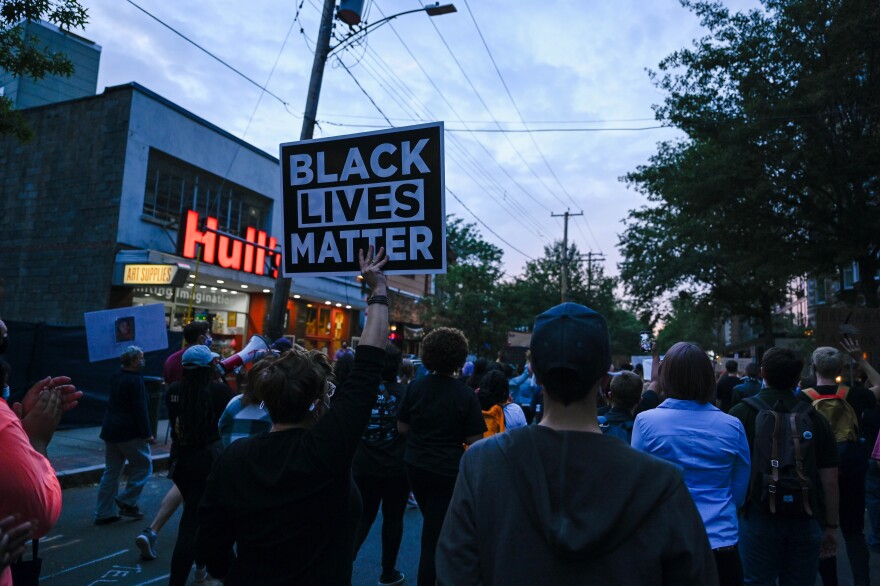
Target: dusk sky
{"points": [[568, 64]]}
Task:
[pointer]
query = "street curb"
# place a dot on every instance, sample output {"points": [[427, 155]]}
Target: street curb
{"points": [[92, 474]]}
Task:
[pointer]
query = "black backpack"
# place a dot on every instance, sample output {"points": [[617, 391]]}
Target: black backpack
{"points": [[783, 475], [381, 431]]}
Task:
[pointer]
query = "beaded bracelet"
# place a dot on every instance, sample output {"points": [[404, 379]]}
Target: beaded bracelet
{"points": [[380, 299]]}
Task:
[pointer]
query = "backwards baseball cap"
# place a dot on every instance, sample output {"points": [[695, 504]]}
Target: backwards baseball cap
{"points": [[572, 337], [197, 356], [282, 344]]}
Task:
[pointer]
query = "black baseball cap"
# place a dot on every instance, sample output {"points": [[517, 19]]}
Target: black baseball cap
{"points": [[573, 337]]}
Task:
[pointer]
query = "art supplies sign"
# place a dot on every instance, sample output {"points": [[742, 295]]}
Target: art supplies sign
{"points": [[344, 193]]}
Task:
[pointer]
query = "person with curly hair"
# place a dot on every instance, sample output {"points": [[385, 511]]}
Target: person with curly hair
{"points": [[286, 500], [439, 415]]}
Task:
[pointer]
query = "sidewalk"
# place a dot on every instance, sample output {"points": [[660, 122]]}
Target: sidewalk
{"points": [[78, 454]]}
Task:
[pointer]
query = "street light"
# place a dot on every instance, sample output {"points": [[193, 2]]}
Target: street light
{"points": [[435, 9], [278, 308]]}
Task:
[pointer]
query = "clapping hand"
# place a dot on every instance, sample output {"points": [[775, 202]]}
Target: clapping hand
{"points": [[40, 422], [69, 395], [13, 538]]}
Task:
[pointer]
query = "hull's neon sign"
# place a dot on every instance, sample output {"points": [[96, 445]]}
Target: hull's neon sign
{"points": [[254, 254]]}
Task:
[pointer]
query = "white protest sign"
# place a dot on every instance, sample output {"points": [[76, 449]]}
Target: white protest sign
{"points": [[383, 188], [111, 331]]}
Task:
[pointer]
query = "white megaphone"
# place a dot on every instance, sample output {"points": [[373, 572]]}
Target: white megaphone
{"points": [[256, 346]]}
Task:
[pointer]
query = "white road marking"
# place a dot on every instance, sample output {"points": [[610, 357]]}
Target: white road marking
{"points": [[106, 557]]}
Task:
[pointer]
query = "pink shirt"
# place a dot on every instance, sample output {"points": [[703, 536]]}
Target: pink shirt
{"points": [[173, 369], [29, 487], [875, 454]]}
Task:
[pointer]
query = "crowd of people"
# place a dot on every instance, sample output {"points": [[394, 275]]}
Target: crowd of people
{"points": [[602, 474]]}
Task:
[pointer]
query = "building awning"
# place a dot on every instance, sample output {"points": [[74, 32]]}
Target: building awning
{"points": [[320, 289]]}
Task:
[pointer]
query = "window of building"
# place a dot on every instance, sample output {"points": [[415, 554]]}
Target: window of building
{"points": [[819, 287], [174, 186], [850, 275]]}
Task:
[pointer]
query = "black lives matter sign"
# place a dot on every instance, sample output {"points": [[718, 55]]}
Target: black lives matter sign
{"points": [[382, 188]]}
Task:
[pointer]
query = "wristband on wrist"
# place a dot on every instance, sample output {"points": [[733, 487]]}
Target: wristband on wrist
{"points": [[380, 299]]}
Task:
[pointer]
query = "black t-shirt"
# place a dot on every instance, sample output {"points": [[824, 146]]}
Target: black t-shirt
{"points": [[441, 413], [724, 391], [380, 452]]}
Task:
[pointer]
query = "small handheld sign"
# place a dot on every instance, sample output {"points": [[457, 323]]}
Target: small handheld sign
{"points": [[384, 188]]}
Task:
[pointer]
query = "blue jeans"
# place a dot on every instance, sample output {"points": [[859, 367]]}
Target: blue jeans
{"points": [[771, 548], [140, 467], [872, 502]]}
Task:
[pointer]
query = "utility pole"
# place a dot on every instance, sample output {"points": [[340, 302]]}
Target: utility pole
{"points": [[591, 256], [274, 327], [566, 215]]}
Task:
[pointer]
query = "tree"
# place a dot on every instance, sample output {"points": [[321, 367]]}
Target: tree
{"points": [[691, 320], [467, 296], [777, 175], [539, 288], [23, 56]]}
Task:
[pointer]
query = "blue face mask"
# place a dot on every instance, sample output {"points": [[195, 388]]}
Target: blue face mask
{"points": [[4, 394], [208, 341]]}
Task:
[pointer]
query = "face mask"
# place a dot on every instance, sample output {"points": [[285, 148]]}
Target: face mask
{"points": [[208, 341], [4, 394]]}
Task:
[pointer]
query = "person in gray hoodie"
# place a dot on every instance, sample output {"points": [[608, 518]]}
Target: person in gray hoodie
{"points": [[588, 508]]}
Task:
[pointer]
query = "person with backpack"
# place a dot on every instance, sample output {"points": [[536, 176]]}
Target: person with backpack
{"points": [[379, 471], [687, 429], [843, 407], [790, 518], [625, 390]]}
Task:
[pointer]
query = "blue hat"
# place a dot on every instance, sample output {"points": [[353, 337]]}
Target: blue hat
{"points": [[573, 337], [197, 356], [282, 344]]}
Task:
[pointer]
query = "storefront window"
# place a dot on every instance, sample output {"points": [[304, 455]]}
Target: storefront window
{"points": [[321, 327]]}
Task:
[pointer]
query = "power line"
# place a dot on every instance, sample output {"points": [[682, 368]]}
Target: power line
{"points": [[489, 111], [201, 48], [469, 158], [482, 223], [402, 119], [509, 130], [372, 101], [455, 112], [519, 114], [376, 75]]}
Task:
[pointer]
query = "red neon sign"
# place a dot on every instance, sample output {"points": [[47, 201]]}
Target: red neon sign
{"points": [[229, 253]]}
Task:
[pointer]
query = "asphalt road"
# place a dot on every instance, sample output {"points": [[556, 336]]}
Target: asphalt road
{"points": [[78, 553]]}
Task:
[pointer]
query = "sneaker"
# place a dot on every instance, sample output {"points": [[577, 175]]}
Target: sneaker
{"points": [[146, 542], [411, 501], [201, 575], [107, 520], [129, 510], [394, 579]]}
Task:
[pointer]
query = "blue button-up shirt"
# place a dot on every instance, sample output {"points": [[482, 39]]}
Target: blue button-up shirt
{"points": [[712, 449]]}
